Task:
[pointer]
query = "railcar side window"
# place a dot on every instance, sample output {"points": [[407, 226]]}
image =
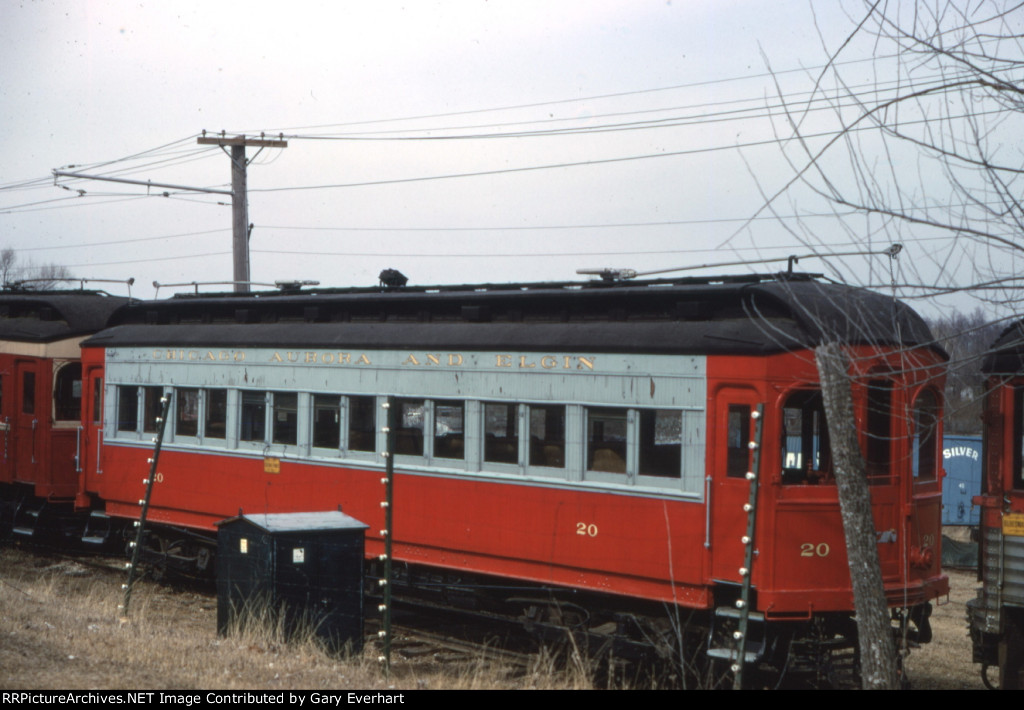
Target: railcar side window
{"points": [[661, 443], [547, 436], [254, 416], [28, 393], [151, 408], [216, 414], [806, 452], [501, 433], [327, 421], [186, 421], [67, 392], [409, 436], [925, 435], [738, 438], [362, 423], [449, 429], [286, 418], [606, 439], [127, 408], [879, 428]]}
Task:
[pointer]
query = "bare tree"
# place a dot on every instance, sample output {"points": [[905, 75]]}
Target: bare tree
{"points": [[966, 336], [40, 277], [931, 149]]}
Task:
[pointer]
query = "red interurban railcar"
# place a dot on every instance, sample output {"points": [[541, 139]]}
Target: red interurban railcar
{"points": [[576, 455], [40, 403], [997, 614]]}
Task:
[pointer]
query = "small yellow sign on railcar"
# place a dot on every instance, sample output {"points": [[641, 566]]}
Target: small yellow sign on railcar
{"points": [[1013, 524], [271, 465]]}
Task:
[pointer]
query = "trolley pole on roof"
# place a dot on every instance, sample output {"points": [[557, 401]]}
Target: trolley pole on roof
{"points": [[240, 198]]}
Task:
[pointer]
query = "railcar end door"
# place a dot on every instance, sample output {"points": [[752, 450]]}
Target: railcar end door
{"points": [[25, 422], [730, 489]]}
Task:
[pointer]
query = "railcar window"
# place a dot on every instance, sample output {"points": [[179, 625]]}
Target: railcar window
{"points": [[661, 443], [1017, 473], [186, 420], [254, 416], [151, 408], [879, 429], [738, 438], [327, 421], [216, 414], [362, 423], [28, 393], [286, 418], [606, 439], [449, 429], [411, 419], [501, 433], [67, 392], [806, 452], [926, 415], [127, 408], [547, 436], [97, 400]]}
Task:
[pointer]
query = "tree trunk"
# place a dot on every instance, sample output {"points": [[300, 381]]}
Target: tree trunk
{"points": [[874, 629]]}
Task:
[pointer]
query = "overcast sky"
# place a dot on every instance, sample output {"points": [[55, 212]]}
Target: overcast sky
{"points": [[459, 142]]}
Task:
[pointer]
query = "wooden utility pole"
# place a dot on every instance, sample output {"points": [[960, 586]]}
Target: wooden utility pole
{"points": [[874, 627], [240, 198]]}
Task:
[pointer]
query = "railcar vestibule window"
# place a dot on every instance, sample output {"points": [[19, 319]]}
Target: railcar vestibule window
{"points": [[67, 392], [737, 460], [806, 452], [28, 393], [926, 423], [97, 400], [879, 429]]}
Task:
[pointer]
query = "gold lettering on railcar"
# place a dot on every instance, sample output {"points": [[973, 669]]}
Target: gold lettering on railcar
{"points": [[318, 357], [313, 357]]}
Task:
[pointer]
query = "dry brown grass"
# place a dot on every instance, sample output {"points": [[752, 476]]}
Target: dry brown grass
{"points": [[59, 628]]}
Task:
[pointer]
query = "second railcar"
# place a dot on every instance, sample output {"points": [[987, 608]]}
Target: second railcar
{"points": [[40, 402], [996, 616], [589, 437]]}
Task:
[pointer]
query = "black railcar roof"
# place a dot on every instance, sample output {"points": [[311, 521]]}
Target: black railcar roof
{"points": [[745, 314], [1006, 356], [47, 316]]}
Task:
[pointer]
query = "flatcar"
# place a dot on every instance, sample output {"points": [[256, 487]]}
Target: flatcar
{"points": [[996, 616], [580, 450], [41, 403]]}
